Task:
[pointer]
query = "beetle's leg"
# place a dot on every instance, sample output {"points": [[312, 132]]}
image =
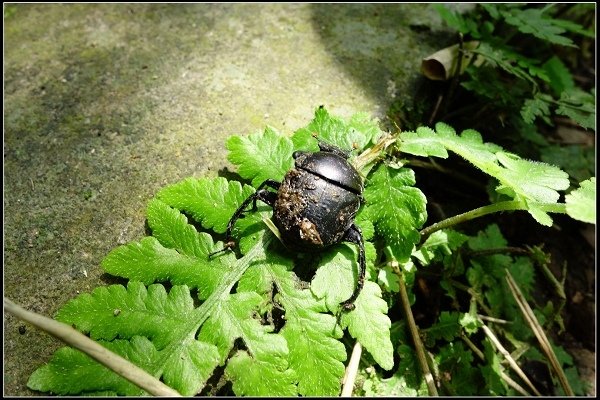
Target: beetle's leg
{"points": [[354, 235], [263, 195], [260, 194], [270, 201]]}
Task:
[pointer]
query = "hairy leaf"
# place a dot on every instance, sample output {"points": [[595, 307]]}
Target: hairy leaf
{"points": [[370, 325], [148, 261], [110, 312], [533, 180], [261, 156], [356, 133], [396, 208], [71, 372], [529, 181], [581, 203], [255, 377], [209, 201]]}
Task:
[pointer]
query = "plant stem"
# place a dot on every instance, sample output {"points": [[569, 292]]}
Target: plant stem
{"points": [[74, 338], [414, 331], [513, 364], [539, 333], [352, 370], [511, 205]]}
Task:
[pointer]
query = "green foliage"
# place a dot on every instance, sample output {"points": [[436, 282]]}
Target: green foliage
{"points": [[521, 41], [357, 133], [270, 155], [235, 329], [536, 21], [396, 208], [191, 319], [535, 184], [581, 203]]}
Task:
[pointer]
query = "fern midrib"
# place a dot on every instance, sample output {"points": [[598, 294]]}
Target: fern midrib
{"points": [[201, 314]]}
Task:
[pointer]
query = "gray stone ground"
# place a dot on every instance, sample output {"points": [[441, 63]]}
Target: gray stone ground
{"points": [[106, 104]]}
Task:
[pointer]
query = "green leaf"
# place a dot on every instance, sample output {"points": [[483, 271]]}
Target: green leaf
{"points": [[535, 22], [317, 354], [447, 328], [492, 371], [533, 180], [494, 265], [113, 311], [335, 280], [580, 106], [233, 318], [211, 202], [254, 377], [369, 324], [312, 335], [576, 160], [512, 62], [469, 322], [420, 143], [148, 261], [266, 355], [438, 245], [560, 77], [487, 82], [427, 142], [396, 208], [574, 27], [528, 181], [405, 382], [456, 363], [581, 203], [578, 385], [261, 156], [536, 107], [357, 133], [71, 372], [523, 272], [455, 20], [172, 230]]}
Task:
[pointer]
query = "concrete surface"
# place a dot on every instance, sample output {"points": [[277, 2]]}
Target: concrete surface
{"points": [[107, 103]]}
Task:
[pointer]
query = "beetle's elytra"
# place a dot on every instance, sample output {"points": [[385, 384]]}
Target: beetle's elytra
{"points": [[314, 206]]}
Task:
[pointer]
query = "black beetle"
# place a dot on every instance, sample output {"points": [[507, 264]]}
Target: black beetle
{"points": [[315, 205]]}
